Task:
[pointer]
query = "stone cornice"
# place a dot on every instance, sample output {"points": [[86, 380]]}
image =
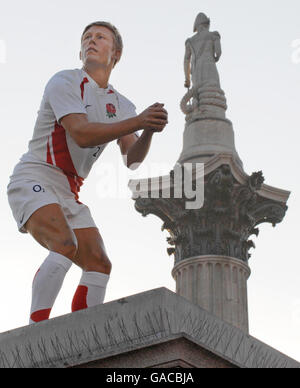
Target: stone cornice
{"points": [[266, 191]]}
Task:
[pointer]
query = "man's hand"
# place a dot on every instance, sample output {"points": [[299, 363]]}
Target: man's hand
{"points": [[154, 118]]}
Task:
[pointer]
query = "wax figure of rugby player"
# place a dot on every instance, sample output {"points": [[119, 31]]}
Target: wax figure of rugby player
{"points": [[79, 115]]}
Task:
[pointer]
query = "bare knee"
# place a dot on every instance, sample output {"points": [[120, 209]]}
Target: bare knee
{"points": [[49, 227], [98, 262], [66, 247]]}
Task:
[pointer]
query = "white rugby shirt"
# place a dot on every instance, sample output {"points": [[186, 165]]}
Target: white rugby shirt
{"points": [[73, 91]]}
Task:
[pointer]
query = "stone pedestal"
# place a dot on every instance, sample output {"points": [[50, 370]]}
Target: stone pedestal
{"points": [[153, 329], [207, 132], [204, 138], [216, 283]]}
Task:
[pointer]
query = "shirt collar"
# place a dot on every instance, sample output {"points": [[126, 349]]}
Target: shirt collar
{"points": [[94, 85]]}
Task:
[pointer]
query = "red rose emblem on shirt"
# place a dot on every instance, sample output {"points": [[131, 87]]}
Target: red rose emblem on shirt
{"points": [[111, 110]]}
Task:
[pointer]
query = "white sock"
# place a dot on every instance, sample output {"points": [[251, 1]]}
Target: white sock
{"points": [[47, 284], [91, 290]]}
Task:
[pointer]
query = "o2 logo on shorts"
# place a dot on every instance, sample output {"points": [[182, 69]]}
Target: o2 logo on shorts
{"points": [[97, 152], [38, 188]]}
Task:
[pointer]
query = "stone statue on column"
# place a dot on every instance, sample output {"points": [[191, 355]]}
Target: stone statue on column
{"points": [[211, 244], [202, 52]]}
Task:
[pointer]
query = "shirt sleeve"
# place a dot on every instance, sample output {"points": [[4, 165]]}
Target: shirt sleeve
{"points": [[63, 97], [129, 110]]}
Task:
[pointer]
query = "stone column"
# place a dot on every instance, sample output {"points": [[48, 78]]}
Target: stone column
{"points": [[211, 243], [218, 284]]}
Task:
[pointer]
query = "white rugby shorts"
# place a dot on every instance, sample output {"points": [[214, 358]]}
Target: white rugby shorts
{"points": [[27, 194]]}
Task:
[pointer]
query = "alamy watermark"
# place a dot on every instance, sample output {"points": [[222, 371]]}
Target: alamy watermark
{"points": [[3, 54], [296, 51], [183, 181]]}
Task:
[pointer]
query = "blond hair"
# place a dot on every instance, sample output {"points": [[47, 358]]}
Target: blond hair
{"points": [[113, 29]]}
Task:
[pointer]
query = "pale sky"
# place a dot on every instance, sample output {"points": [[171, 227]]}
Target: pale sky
{"points": [[260, 74]]}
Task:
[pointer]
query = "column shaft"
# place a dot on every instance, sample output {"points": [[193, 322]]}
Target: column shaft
{"points": [[218, 284]]}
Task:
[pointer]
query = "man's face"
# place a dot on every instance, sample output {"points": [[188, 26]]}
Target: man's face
{"points": [[98, 47]]}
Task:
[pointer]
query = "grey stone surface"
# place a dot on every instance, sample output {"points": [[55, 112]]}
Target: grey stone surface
{"points": [[205, 99], [216, 283], [234, 203], [207, 131], [176, 353], [266, 191], [202, 52], [223, 223], [205, 138], [128, 324], [207, 241]]}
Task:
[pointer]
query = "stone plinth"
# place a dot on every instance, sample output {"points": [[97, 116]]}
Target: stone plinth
{"points": [[204, 138], [216, 283], [150, 329], [176, 353]]}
